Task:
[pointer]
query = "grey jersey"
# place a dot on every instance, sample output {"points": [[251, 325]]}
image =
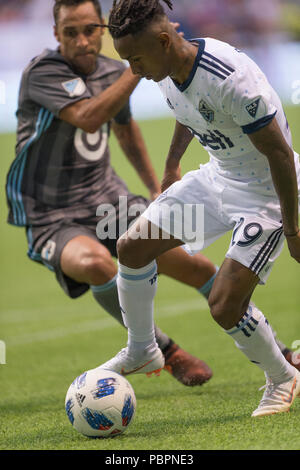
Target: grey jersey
{"points": [[61, 172]]}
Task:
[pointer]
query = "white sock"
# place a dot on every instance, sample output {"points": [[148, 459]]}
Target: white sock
{"points": [[136, 289], [253, 336]]}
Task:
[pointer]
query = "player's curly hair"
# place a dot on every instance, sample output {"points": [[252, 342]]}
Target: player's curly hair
{"points": [[131, 16], [73, 3]]}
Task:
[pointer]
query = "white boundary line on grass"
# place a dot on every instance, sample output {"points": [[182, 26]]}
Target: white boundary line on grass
{"points": [[166, 311]]}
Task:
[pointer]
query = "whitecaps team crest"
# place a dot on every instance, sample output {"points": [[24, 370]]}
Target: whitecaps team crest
{"points": [[75, 87], [205, 111]]}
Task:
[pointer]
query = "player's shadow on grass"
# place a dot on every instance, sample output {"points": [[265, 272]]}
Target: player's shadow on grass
{"points": [[180, 425], [215, 389]]}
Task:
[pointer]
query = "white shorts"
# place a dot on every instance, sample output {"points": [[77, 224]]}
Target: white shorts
{"points": [[254, 219]]}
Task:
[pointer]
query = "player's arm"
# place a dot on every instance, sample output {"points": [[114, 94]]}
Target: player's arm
{"points": [[270, 141], [180, 142], [133, 145], [90, 114]]}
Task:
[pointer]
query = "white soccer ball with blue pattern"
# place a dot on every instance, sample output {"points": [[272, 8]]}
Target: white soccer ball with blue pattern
{"points": [[100, 403]]}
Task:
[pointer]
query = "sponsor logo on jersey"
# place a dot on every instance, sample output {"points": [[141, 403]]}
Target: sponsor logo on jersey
{"points": [[253, 107], [207, 113], [75, 87], [214, 139]]}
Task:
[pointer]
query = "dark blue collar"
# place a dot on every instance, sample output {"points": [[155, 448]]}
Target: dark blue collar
{"points": [[183, 86]]}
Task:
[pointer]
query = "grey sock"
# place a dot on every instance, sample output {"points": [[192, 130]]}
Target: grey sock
{"points": [[161, 338], [107, 296]]}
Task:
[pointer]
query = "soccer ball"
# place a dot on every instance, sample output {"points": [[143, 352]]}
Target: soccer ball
{"points": [[100, 403]]}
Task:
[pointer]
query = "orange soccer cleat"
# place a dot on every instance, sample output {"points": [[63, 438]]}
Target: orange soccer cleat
{"points": [[187, 369], [292, 357]]}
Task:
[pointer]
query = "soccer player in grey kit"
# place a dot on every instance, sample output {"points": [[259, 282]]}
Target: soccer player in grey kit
{"points": [[69, 100]]}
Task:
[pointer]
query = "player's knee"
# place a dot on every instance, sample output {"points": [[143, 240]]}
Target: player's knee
{"points": [[126, 250], [222, 310], [132, 252], [227, 308], [217, 309], [95, 268]]}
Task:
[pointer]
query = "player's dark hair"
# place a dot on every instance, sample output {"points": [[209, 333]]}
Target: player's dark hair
{"points": [[73, 3], [132, 16]]}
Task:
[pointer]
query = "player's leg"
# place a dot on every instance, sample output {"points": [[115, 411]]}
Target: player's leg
{"points": [[199, 272], [138, 249], [137, 282], [79, 261], [231, 308], [196, 271], [139, 252], [137, 288], [136, 256], [86, 260]]}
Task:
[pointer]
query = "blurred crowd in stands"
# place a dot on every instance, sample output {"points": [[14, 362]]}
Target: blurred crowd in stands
{"points": [[240, 22], [243, 23]]}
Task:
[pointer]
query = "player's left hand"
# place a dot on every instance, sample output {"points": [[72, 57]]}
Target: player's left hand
{"points": [[176, 26], [294, 246]]}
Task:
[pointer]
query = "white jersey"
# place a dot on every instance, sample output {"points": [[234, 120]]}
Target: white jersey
{"points": [[226, 97]]}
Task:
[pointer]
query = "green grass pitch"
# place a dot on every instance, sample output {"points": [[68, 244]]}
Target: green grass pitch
{"points": [[51, 339]]}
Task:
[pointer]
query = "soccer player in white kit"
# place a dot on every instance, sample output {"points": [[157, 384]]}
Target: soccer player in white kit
{"points": [[249, 187]]}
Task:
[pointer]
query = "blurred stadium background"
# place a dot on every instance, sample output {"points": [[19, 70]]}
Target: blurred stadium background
{"points": [[268, 30]]}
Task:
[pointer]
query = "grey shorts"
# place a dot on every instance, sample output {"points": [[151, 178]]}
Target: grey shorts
{"points": [[46, 242]]}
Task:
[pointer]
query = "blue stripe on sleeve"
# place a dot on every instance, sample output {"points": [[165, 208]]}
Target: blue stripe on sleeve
{"points": [[255, 126]]}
